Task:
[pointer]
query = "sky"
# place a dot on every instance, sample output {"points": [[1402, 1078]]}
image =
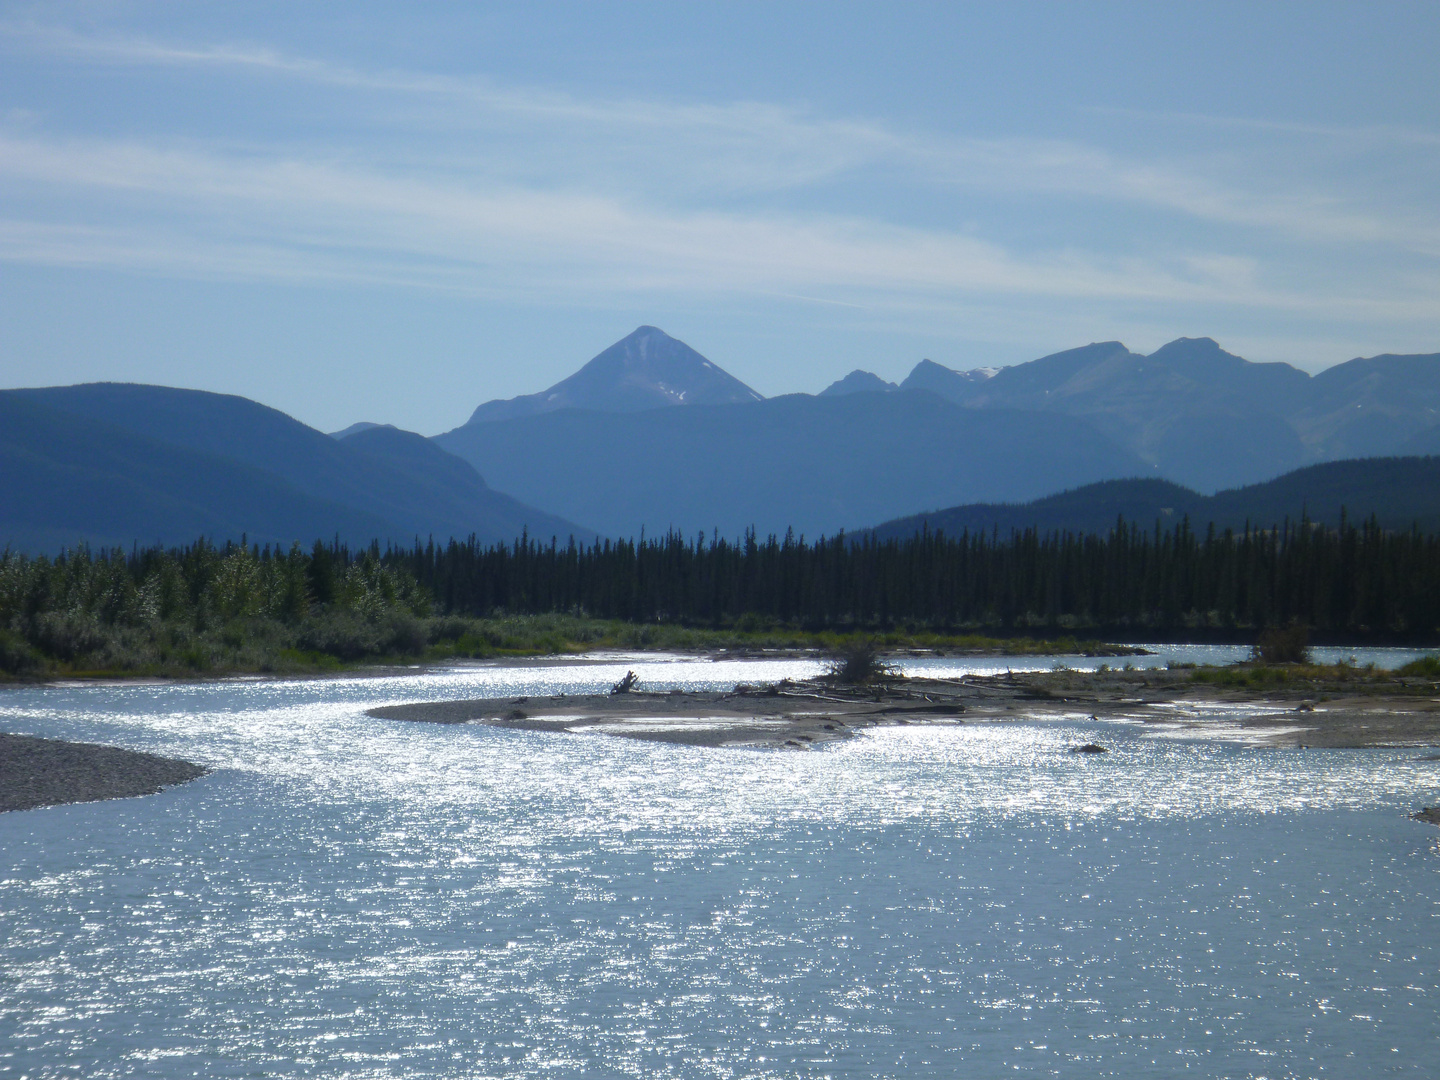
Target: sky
{"points": [[396, 212]]}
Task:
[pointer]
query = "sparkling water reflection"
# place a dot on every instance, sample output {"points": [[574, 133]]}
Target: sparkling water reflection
{"points": [[353, 897]]}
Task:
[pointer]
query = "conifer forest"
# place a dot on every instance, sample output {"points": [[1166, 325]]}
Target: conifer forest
{"points": [[244, 606]]}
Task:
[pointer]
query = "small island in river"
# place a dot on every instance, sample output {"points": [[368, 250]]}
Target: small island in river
{"points": [[1381, 709]]}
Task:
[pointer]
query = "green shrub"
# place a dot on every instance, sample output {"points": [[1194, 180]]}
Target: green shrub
{"points": [[405, 634], [196, 657], [751, 623], [449, 628], [1242, 676], [859, 664], [67, 636], [297, 659], [16, 656], [340, 634], [1427, 667], [1288, 646]]}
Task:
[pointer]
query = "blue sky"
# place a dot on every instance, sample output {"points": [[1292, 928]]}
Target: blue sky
{"points": [[367, 212]]}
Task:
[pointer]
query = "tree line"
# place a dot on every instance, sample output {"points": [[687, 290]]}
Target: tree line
{"points": [[1356, 581]]}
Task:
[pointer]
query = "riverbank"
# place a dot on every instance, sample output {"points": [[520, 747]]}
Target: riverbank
{"points": [[52, 772], [1299, 706], [341, 643], [1362, 709]]}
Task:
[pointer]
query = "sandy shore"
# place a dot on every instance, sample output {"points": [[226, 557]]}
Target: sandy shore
{"points": [[791, 715], [50, 772], [799, 715]]}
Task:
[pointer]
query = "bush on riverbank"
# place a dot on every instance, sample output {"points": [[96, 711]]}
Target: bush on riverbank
{"points": [[1288, 645], [204, 609], [1427, 667], [860, 664], [529, 635], [1418, 676]]}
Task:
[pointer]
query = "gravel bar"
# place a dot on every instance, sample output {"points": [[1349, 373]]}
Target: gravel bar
{"points": [[50, 772]]}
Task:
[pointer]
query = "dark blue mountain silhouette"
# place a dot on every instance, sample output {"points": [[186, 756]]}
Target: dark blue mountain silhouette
{"points": [[117, 462], [1400, 491], [817, 464]]}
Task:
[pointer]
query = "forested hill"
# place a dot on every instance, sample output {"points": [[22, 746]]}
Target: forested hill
{"points": [[115, 463], [63, 481], [1400, 492]]}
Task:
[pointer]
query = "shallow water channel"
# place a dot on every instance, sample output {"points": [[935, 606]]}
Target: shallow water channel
{"points": [[351, 897]]}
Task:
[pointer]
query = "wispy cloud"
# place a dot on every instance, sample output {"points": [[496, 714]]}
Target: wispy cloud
{"points": [[503, 216], [290, 217], [757, 145]]}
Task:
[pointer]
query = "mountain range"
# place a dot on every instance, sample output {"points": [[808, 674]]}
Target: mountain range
{"points": [[814, 464], [114, 463], [1207, 418], [652, 435], [1190, 412]]}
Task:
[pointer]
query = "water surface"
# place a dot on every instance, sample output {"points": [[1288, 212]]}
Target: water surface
{"points": [[349, 897]]}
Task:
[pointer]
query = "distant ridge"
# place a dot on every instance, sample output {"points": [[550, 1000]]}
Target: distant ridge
{"points": [[648, 369], [1210, 419], [813, 463], [64, 481], [1190, 411], [1400, 491], [120, 462]]}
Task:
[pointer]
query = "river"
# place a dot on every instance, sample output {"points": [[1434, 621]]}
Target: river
{"points": [[351, 897]]}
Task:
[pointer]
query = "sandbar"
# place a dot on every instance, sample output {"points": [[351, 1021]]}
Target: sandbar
{"points": [[51, 772], [799, 715]]}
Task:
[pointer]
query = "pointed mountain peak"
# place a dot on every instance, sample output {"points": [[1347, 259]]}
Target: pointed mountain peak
{"points": [[858, 382], [646, 369], [642, 340], [947, 382]]}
